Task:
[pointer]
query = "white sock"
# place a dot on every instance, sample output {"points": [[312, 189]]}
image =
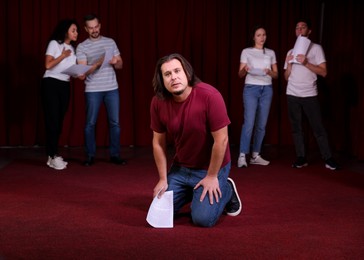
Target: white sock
{"points": [[255, 154], [242, 155]]}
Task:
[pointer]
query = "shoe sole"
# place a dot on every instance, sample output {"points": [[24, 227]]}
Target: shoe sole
{"points": [[264, 164], [237, 195], [57, 168], [329, 167], [299, 166]]}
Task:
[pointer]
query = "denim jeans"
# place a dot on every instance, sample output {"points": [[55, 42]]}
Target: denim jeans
{"points": [[311, 107], [257, 100], [182, 180], [112, 104]]}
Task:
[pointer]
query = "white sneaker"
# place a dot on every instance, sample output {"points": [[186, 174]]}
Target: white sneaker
{"points": [[56, 163], [242, 162], [60, 157], [258, 160]]}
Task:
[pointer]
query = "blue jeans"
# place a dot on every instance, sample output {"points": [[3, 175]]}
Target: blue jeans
{"points": [[257, 100], [182, 180], [112, 104]]}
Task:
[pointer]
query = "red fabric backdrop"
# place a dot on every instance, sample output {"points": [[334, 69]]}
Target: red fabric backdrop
{"points": [[209, 33]]}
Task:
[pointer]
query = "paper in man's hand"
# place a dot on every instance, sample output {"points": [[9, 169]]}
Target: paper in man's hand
{"points": [[301, 46], [76, 70], [160, 214], [109, 54]]}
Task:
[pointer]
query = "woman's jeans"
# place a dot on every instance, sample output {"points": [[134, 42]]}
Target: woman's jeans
{"points": [[182, 180], [112, 104], [257, 100]]}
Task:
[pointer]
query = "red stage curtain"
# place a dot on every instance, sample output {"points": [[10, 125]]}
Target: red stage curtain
{"points": [[209, 33]]}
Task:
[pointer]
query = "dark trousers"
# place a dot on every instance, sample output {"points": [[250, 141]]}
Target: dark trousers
{"points": [[55, 99], [311, 107]]}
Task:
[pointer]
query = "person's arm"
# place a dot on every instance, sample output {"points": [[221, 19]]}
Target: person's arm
{"points": [[320, 69], [50, 61], [117, 61], [287, 72], [211, 183], [273, 72], [160, 158], [243, 68], [94, 67]]}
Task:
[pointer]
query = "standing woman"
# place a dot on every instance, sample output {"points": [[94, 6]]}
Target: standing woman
{"points": [[258, 65], [60, 55]]}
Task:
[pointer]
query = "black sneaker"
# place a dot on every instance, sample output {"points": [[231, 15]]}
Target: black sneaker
{"points": [[234, 206], [331, 164], [89, 161], [300, 162], [117, 160]]}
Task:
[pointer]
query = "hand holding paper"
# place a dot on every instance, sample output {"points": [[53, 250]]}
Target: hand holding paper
{"points": [[109, 54], [301, 46]]}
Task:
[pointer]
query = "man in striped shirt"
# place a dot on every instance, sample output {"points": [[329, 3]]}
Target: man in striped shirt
{"points": [[101, 87]]}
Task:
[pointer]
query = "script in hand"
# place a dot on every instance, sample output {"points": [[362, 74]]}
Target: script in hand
{"points": [[76, 70], [300, 47], [160, 214]]}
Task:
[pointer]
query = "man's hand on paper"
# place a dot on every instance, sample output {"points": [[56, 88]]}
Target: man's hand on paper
{"points": [[301, 58], [160, 188]]}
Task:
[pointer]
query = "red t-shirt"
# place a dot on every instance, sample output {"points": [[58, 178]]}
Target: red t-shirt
{"points": [[190, 124]]}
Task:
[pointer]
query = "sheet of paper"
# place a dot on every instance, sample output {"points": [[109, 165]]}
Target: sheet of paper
{"points": [[257, 72], [300, 47], [76, 70], [107, 58], [160, 213]]}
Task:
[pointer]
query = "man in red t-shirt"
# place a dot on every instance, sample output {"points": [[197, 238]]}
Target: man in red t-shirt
{"points": [[194, 115]]}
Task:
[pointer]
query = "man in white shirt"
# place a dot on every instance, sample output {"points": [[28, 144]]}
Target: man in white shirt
{"points": [[302, 96]]}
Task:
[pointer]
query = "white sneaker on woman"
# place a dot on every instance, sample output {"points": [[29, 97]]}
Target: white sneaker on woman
{"points": [[57, 163], [242, 161], [60, 157], [258, 160]]}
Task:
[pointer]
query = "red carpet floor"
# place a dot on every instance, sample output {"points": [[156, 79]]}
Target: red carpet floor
{"points": [[99, 212]]}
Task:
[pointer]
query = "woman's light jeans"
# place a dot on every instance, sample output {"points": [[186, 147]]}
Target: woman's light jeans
{"points": [[257, 100]]}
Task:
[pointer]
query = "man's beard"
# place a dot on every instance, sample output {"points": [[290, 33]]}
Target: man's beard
{"points": [[179, 92], [95, 35]]}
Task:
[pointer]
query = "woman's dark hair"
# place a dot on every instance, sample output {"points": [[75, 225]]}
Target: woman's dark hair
{"points": [[252, 34], [158, 84], [61, 30]]}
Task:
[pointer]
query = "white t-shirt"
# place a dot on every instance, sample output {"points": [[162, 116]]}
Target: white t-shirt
{"points": [[55, 49], [302, 82], [258, 59]]}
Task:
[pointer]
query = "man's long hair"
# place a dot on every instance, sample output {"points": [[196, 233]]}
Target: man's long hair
{"points": [[158, 84]]}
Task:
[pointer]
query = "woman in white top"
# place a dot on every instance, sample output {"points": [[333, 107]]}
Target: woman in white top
{"points": [[60, 55], [258, 65]]}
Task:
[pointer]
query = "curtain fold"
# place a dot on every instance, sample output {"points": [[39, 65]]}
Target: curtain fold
{"points": [[210, 34]]}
